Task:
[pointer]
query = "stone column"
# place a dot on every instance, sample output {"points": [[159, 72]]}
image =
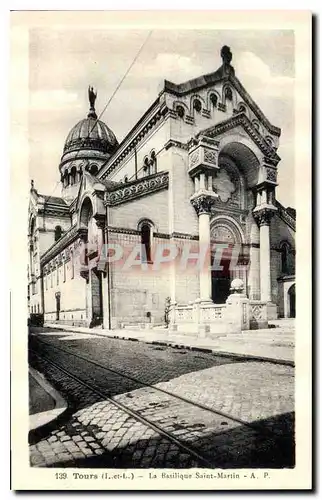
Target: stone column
{"points": [[204, 244], [202, 203], [263, 217], [254, 268], [102, 267]]}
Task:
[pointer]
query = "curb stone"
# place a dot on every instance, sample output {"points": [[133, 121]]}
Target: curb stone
{"points": [[41, 419], [250, 357]]}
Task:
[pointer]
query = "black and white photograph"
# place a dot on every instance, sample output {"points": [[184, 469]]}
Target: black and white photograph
{"points": [[161, 263]]}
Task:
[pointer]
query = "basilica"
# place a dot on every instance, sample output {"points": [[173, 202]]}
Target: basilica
{"points": [[192, 183]]}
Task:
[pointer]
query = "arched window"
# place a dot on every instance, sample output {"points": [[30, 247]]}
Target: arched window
{"points": [[58, 233], [153, 162], [284, 257], [197, 105], [94, 169], [228, 94], [146, 166], [38, 310], [214, 100], [146, 241], [180, 111], [65, 179], [73, 176]]}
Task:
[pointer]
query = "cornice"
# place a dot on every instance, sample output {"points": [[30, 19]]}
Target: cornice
{"points": [[241, 119], [55, 212], [177, 144], [166, 236], [285, 216], [253, 106], [136, 189], [123, 230], [184, 236], [61, 244]]}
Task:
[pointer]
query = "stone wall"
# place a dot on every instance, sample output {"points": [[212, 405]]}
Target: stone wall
{"points": [[138, 293], [153, 207], [72, 295]]}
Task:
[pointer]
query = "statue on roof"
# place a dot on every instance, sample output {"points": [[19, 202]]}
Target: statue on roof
{"points": [[92, 97], [226, 55]]}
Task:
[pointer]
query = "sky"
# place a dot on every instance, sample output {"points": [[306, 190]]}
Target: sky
{"points": [[63, 62]]}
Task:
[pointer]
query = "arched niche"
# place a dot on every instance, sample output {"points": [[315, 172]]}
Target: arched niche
{"points": [[244, 155], [227, 248]]}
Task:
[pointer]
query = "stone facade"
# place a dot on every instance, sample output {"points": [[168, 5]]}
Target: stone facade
{"points": [[196, 174]]}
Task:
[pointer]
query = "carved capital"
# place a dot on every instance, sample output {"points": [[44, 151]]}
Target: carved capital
{"points": [[263, 216], [100, 221], [203, 202]]}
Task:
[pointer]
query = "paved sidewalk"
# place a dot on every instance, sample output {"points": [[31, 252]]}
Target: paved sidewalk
{"points": [[45, 403], [272, 344]]}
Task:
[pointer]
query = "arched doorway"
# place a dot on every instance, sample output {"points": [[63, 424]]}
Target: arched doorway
{"points": [[292, 301], [226, 240], [93, 276]]}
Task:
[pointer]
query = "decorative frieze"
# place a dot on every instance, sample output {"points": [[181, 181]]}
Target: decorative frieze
{"points": [[203, 156], [138, 188], [210, 156], [72, 237], [271, 174], [242, 120]]}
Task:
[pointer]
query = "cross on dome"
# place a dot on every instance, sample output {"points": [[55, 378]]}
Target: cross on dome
{"points": [[226, 55]]}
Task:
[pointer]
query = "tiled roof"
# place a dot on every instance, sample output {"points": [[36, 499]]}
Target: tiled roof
{"points": [[55, 200]]}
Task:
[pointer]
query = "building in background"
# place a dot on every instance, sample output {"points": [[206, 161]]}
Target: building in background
{"points": [[199, 168]]}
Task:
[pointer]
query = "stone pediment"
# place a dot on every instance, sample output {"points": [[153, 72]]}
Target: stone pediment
{"points": [[240, 120], [225, 75]]}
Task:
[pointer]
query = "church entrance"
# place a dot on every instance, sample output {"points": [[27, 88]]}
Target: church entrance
{"points": [[226, 238], [292, 301], [97, 298], [221, 279]]}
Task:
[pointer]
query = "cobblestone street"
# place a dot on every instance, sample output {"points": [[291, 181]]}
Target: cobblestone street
{"points": [[218, 411]]}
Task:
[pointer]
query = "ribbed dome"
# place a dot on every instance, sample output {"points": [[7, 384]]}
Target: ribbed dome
{"points": [[91, 134]]}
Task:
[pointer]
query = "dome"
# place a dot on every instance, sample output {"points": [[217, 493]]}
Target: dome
{"points": [[91, 133]]}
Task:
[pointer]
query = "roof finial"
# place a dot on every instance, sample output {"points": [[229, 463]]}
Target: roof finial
{"points": [[32, 184], [92, 98], [226, 55]]}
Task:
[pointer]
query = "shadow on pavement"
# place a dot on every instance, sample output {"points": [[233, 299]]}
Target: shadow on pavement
{"points": [[237, 448]]}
